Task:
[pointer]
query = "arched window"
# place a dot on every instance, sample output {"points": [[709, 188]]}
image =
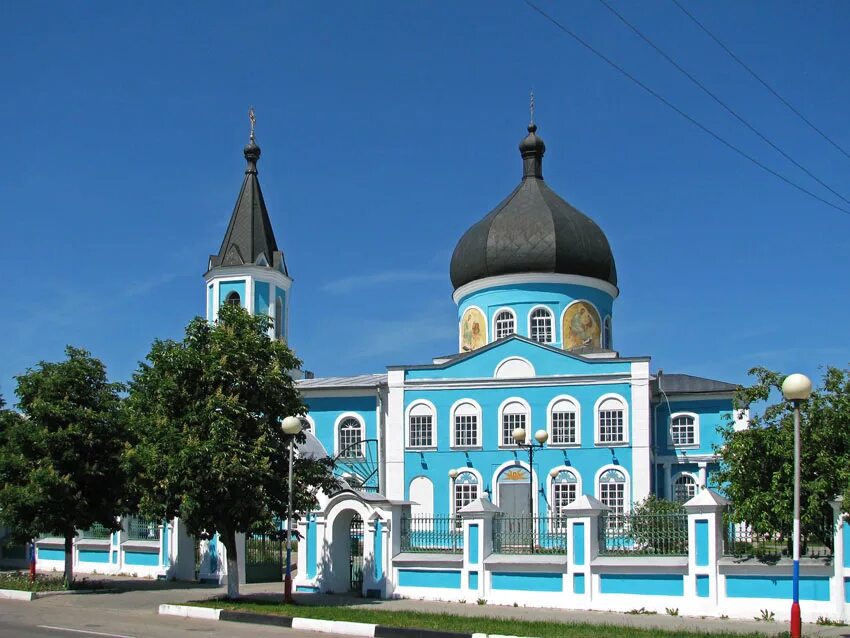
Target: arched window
{"points": [[684, 488], [564, 491], [233, 298], [564, 422], [421, 494], [612, 492], [611, 421], [514, 415], [607, 340], [466, 490], [465, 423], [504, 324], [540, 325], [350, 438], [420, 422], [278, 318], [683, 429]]}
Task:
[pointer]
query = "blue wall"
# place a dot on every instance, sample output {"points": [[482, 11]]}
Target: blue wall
{"points": [[48, 553], [148, 559], [642, 584], [522, 298], [261, 298], [703, 587], [811, 587], [210, 303], [226, 287], [845, 534], [93, 556], [325, 410], [444, 578], [533, 582], [712, 414]]}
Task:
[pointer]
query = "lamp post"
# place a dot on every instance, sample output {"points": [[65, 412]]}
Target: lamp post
{"points": [[541, 436], [796, 388], [291, 425]]}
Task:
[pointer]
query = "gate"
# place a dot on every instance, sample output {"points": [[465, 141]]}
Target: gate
{"points": [[264, 558], [355, 532]]}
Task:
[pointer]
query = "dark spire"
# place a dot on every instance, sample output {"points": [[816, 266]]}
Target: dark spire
{"points": [[532, 148], [249, 238]]}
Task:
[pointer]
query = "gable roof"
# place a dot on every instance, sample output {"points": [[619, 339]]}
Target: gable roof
{"points": [[689, 384], [356, 381]]}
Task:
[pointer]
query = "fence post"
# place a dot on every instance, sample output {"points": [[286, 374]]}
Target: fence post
{"points": [[705, 547], [582, 546], [839, 589], [477, 519]]}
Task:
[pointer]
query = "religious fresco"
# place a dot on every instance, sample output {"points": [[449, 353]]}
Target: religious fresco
{"points": [[582, 326], [473, 330]]}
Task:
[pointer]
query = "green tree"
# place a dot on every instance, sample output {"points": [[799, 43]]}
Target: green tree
{"points": [[660, 525], [757, 464], [61, 458], [206, 414]]}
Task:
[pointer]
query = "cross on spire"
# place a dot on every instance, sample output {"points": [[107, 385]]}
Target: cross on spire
{"points": [[531, 107], [253, 120]]}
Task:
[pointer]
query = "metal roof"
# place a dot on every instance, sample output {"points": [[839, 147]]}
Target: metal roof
{"points": [[533, 230], [690, 384], [358, 381], [249, 234]]}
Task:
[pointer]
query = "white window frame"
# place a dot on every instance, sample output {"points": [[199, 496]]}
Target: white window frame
{"points": [[479, 420], [338, 424], [461, 471], [550, 488], [409, 412], [551, 314], [549, 426], [502, 406], [692, 415], [496, 314], [676, 477], [626, 424], [627, 486]]}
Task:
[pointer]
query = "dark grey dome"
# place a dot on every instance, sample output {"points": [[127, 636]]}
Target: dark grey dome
{"points": [[533, 230]]}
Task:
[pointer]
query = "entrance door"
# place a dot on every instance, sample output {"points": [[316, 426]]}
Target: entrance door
{"points": [[355, 534], [517, 524]]}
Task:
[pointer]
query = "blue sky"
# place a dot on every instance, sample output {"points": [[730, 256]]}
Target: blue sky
{"points": [[389, 128]]}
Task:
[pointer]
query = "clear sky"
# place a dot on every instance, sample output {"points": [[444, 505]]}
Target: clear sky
{"points": [[387, 129]]}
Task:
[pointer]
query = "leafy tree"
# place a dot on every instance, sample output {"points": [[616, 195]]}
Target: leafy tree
{"points": [[757, 464], [660, 524], [206, 413], [61, 458]]}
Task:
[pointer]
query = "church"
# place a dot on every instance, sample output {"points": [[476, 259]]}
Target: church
{"points": [[535, 377]]}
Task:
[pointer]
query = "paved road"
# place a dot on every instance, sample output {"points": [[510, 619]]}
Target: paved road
{"points": [[129, 614]]}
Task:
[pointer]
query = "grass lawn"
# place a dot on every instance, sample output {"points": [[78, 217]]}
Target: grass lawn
{"points": [[43, 582], [449, 622]]}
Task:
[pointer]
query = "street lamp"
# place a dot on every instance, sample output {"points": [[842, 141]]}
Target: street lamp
{"points": [[796, 388], [541, 436], [291, 425]]}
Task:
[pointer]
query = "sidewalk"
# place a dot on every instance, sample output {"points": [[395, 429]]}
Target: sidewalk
{"points": [[270, 591]]}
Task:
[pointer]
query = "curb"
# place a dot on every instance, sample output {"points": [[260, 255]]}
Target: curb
{"points": [[16, 594], [344, 627], [27, 596]]}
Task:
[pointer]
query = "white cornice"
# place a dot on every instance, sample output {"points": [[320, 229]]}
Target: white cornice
{"points": [[487, 382], [533, 278], [263, 273]]}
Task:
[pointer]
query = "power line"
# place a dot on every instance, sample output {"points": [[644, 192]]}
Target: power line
{"points": [[714, 97], [675, 108], [760, 80]]}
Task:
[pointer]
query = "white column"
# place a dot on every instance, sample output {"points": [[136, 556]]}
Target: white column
{"points": [[836, 583], [703, 476], [395, 435], [641, 423]]}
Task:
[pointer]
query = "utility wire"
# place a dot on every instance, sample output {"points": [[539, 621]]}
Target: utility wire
{"points": [[714, 97], [761, 81], [675, 108]]}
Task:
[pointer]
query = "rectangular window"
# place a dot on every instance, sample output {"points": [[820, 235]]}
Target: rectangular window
{"points": [[420, 431], [562, 495], [510, 422], [613, 495], [465, 493], [611, 426], [466, 430], [683, 431], [563, 428]]}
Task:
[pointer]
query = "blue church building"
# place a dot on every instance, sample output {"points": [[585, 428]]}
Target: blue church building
{"points": [[535, 283]]}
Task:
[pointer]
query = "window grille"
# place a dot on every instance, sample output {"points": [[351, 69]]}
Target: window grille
{"points": [[612, 492], [350, 435], [541, 326], [504, 324], [511, 421], [466, 489], [563, 427], [563, 492], [684, 488], [233, 299], [611, 426], [421, 431], [683, 430], [466, 430]]}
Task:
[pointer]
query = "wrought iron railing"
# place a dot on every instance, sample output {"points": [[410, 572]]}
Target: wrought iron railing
{"points": [[529, 535], [742, 541], [431, 534], [139, 529], [96, 531], [643, 534]]}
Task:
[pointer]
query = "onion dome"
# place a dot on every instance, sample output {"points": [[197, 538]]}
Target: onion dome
{"points": [[533, 231]]}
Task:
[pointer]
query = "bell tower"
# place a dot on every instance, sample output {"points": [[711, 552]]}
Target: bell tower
{"points": [[249, 269]]}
